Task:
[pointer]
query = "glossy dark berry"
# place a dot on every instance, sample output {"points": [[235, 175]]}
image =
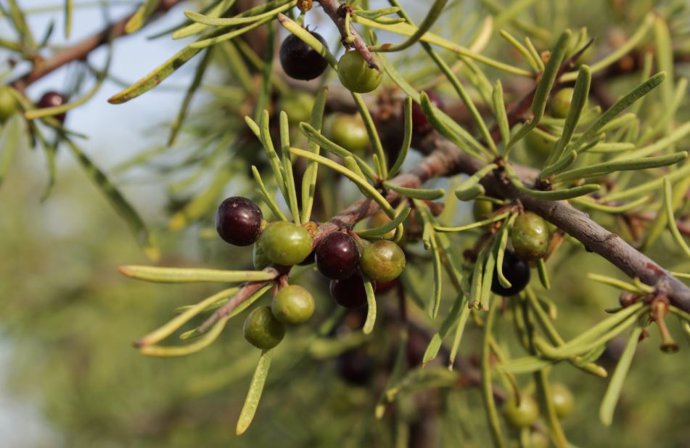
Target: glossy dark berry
{"points": [[262, 329], [348, 131], [238, 221], [299, 60], [382, 261], [8, 104], [53, 99], [356, 75], [355, 367], [562, 400], [521, 415], [420, 124], [293, 305], [349, 292], [516, 271], [530, 236], [337, 256], [285, 243]]}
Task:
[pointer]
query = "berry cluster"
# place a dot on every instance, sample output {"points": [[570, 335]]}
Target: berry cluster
{"points": [[239, 221], [300, 61], [530, 238], [338, 258]]}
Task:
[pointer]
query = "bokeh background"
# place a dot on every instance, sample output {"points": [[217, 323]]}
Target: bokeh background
{"points": [[70, 378]]}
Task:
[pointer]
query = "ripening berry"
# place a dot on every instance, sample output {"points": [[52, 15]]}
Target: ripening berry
{"points": [[516, 271], [349, 292], [356, 75], [530, 236], [293, 305], [355, 367], [238, 221], [53, 99], [262, 329], [337, 256], [382, 261], [285, 243], [299, 60]]}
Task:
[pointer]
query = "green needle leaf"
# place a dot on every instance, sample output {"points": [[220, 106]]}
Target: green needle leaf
{"points": [[256, 387], [190, 275], [608, 404]]}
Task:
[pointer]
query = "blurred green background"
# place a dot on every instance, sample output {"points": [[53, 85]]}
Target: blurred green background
{"points": [[70, 378]]}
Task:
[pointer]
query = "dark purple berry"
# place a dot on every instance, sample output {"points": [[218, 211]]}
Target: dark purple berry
{"points": [[349, 292], [356, 367], [299, 60], [53, 99], [516, 271], [238, 221], [337, 256]]}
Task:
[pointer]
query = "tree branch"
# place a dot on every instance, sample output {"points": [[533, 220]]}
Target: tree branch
{"points": [[80, 50]]}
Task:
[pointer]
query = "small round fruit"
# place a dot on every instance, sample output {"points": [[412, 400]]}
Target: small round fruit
{"points": [[382, 261], [259, 258], [516, 271], [355, 367], [299, 60], [337, 256], [293, 305], [523, 415], [53, 99], [420, 124], [482, 209], [298, 105], [262, 329], [349, 292], [530, 236], [562, 400], [348, 131], [379, 219], [8, 104], [561, 101], [238, 221], [356, 75], [285, 243], [538, 146]]}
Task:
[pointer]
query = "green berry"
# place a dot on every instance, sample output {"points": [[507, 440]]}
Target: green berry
{"points": [[262, 329], [8, 104], [259, 257], [382, 261], [530, 236], [561, 101], [562, 400], [482, 209], [293, 305], [523, 415], [356, 75], [538, 146], [298, 106], [348, 131], [285, 243]]}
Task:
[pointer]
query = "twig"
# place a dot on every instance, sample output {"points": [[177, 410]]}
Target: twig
{"points": [[81, 49]]}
